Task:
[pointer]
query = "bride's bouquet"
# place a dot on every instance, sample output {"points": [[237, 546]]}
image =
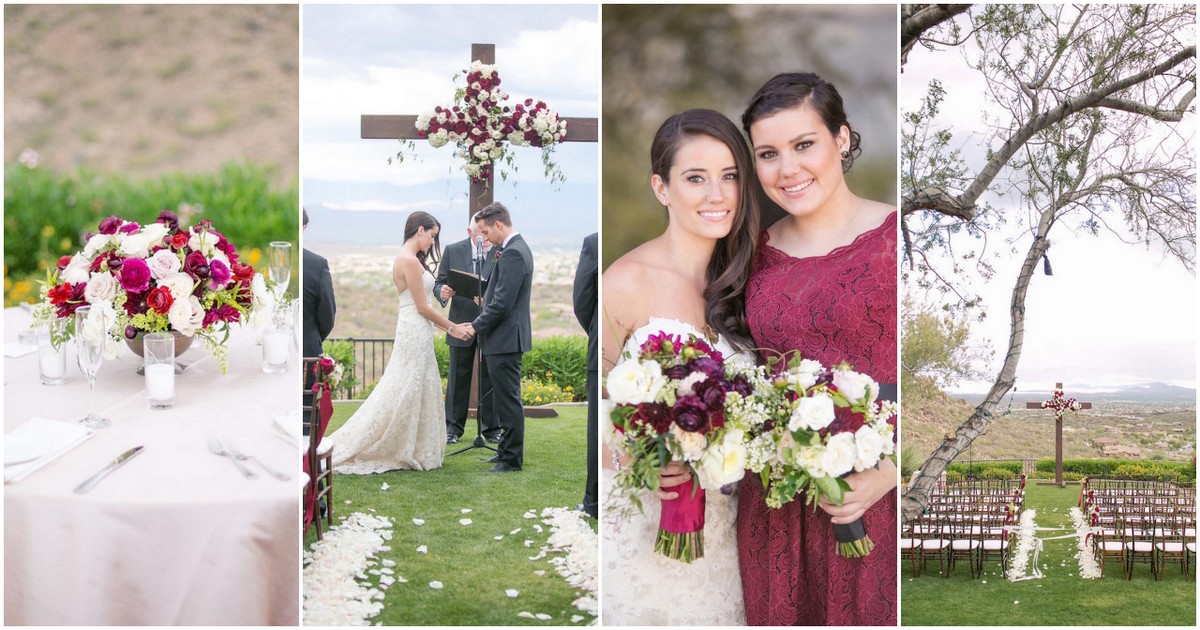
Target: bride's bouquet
{"points": [[822, 425], [674, 401]]}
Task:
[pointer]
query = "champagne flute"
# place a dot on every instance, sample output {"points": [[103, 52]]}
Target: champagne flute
{"points": [[279, 266], [91, 335]]}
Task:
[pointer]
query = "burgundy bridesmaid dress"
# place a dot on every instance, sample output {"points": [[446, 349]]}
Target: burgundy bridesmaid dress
{"points": [[840, 306]]}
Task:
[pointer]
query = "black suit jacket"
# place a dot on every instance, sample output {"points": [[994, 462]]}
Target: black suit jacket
{"points": [[587, 307], [504, 324], [462, 309], [319, 305]]}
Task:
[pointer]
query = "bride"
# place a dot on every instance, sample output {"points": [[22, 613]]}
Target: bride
{"points": [[402, 423], [679, 282]]}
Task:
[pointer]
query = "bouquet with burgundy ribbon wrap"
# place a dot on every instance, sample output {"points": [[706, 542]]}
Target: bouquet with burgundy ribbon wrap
{"points": [[670, 404], [822, 424]]}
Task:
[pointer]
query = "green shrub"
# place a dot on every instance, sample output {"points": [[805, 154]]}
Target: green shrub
{"points": [[908, 461], [1108, 467], [1147, 472], [974, 469], [953, 476], [46, 213], [441, 351], [536, 392], [997, 473], [561, 360], [343, 352]]}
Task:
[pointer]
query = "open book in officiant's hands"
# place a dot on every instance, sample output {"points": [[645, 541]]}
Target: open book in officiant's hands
{"points": [[464, 283]]}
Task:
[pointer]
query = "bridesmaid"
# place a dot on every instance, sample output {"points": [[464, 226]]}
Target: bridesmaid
{"points": [[823, 281]]}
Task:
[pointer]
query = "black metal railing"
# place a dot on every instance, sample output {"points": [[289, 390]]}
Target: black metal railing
{"points": [[371, 355]]}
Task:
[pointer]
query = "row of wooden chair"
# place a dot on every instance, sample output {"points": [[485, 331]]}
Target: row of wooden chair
{"points": [[960, 525], [318, 456], [1145, 522]]}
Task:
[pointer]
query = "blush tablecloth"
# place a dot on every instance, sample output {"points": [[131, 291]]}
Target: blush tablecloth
{"points": [[177, 536]]}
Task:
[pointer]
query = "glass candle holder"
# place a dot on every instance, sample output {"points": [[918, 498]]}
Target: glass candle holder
{"points": [[158, 357]]}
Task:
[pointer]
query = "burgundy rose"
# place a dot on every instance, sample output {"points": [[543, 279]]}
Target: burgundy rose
{"points": [[654, 415], [242, 272], [159, 300], [135, 275], [845, 420], [716, 418], [741, 385], [710, 367], [676, 372], [196, 265], [690, 413], [711, 392], [110, 225], [219, 275]]}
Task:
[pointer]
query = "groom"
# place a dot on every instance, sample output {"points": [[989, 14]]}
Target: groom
{"points": [[504, 329]]}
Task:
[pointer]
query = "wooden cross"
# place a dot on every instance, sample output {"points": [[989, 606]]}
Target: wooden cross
{"points": [[403, 127], [1058, 440]]}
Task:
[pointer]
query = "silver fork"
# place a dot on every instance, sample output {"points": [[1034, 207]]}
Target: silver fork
{"points": [[214, 445], [237, 455]]}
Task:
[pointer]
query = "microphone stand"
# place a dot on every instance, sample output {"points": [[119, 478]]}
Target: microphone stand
{"points": [[479, 441]]}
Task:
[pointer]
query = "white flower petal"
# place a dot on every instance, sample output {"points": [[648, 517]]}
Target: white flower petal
{"points": [[526, 614], [498, 538], [435, 585], [418, 521], [423, 549], [539, 572], [465, 521], [512, 592], [466, 510], [528, 543], [514, 532], [384, 486], [543, 616]]}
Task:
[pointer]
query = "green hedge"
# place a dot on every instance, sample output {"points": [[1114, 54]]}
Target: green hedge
{"points": [[559, 361], [1108, 467], [46, 212], [975, 469]]}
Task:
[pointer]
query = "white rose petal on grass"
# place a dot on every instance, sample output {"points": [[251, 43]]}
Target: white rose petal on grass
{"points": [[1016, 601], [466, 510], [435, 585], [401, 579], [465, 521], [526, 614], [418, 521], [514, 532], [384, 486], [422, 549], [512, 592], [348, 502], [528, 543], [576, 618], [498, 538], [543, 616], [389, 563], [539, 573], [538, 528]]}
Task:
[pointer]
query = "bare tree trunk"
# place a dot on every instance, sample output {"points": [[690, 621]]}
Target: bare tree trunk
{"points": [[916, 499]]}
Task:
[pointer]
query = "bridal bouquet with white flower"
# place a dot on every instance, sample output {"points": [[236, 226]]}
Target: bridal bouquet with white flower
{"points": [[822, 424], [676, 400], [158, 277]]}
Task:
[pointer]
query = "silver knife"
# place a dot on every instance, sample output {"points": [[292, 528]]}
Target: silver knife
{"points": [[116, 463]]}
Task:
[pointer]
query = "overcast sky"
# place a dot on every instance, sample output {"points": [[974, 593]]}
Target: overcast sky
{"points": [[396, 59], [1112, 314]]}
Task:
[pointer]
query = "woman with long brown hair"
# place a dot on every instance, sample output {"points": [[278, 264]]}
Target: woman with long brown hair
{"points": [[402, 423]]}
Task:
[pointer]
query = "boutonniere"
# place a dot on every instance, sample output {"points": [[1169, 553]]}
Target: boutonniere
{"points": [[496, 256]]}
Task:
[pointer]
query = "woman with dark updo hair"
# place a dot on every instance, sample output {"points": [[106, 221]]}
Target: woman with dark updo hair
{"points": [[823, 281], [402, 424], [683, 281]]}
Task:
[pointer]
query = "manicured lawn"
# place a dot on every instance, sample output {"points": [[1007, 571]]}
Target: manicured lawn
{"points": [[1060, 598], [475, 568]]}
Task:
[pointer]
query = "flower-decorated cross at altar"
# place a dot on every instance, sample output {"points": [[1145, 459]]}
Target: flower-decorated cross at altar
{"points": [[1059, 404], [480, 125]]}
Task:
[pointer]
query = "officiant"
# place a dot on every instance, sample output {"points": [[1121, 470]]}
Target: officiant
{"points": [[472, 255]]}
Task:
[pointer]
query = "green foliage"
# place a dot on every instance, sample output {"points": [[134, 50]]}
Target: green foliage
{"points": [[1111, 467], [967, 469], [909, 460], [997, 473], [536, 392], [441, 351], [1147, 472], [936, 346], [953, 476], [561, 361], [342, 351], [47, 213]]}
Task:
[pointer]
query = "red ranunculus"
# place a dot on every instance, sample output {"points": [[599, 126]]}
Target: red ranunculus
{"points": [[179, 240], [60, 293], [159, 300], [242, 272]]}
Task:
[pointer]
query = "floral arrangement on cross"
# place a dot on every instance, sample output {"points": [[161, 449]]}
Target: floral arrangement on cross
{"points": [[482, 126], [1060, 404], [157, 277]]}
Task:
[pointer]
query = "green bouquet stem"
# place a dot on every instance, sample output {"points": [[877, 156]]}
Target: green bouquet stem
{"points": [[857, 549], [683, 547]]}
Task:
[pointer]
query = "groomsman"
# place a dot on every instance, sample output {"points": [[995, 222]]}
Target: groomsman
{"points": [[587, 311], [472, 255], [504, 329]]}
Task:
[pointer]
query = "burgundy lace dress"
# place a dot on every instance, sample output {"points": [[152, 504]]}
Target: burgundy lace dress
{"points": [[840, 306]]}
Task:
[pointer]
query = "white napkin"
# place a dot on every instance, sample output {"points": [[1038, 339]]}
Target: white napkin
{"points": [[50, 438], [15, 349], [286, 428]]}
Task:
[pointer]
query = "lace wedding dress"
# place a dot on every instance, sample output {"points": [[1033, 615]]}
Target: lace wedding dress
{"points": [[644, 588], [402, 424]]}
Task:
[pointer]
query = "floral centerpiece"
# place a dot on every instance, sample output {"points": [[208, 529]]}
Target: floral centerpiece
{"points": [[480, 125], [157, 277], [822, 424], [1060, 404], [673, 401]]}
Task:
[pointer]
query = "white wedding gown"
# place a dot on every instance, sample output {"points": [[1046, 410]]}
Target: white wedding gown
{"points": [[643, 588], [402, 424]]}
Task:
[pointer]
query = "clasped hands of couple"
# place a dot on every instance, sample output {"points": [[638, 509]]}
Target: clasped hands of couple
{"points": [[462, 331], [867, 487]]}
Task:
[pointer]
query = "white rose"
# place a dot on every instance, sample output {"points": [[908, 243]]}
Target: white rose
{"points": [[869, 445], [139, 244], [691, 443], [855, 386], [808, 458], [634, 382], [804, 375], [95, 244], [163, 263], [723, 463], [179, 284], [839, 456], [687, 387], [888, 435], [101, 287], [812, 413], [76, 271], [203, 241], [186, 315]]}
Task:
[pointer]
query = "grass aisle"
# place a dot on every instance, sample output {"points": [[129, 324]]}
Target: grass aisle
{"points": [[1060, 598], [474, 568]]}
